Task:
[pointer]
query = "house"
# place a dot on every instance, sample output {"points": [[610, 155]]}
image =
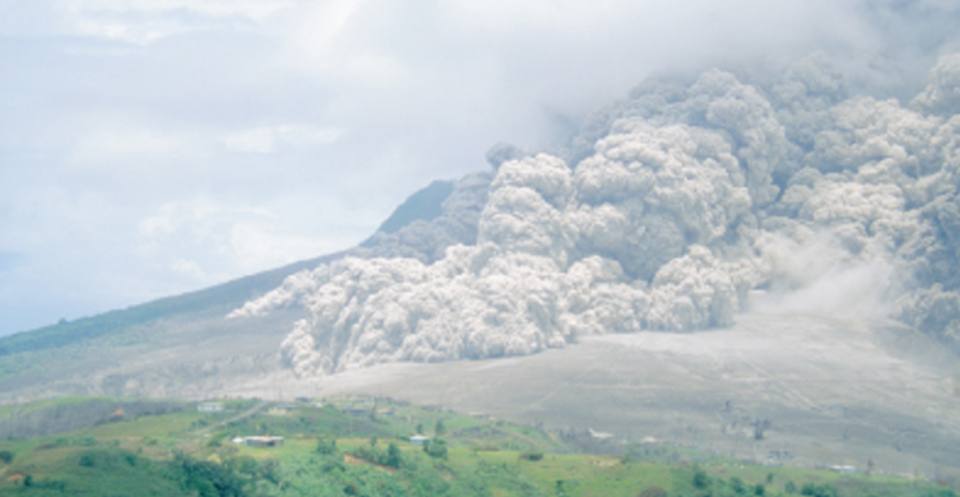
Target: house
{"points": [[210, 407], [843, 468], [259, 441], [599, 435], [419, 439]]}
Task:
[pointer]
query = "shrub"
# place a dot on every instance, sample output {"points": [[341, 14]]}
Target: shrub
{"points": [[532, 456], [207, 479], [700, 479], [6, 456], [653, 492], [436, 448], [327, 446], [394, 458], [814, 490], [737, 485]]}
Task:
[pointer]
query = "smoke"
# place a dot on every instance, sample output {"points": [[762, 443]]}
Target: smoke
{"points": [[818, 274], [664, 213]]}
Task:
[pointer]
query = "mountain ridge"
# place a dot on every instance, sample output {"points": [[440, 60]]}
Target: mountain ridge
{"points": [[51, 360]]}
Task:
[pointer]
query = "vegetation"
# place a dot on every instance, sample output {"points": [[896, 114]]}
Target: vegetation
{"points": [[337, 450]]}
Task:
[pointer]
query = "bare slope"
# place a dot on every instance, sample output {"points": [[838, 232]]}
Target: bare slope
{"points": [[833, 392], [179, 345]]}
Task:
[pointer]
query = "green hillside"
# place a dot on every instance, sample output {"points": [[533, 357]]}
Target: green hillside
{"points": [[362, 447]]}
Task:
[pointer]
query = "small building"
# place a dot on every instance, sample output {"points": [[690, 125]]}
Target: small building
{"points": [[419, 439], [843, 468], [210, 407], [259, 441], [599, 435]]}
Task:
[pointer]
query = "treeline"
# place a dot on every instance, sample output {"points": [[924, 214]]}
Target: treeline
{"points": [[704, 485], [117, 472]]}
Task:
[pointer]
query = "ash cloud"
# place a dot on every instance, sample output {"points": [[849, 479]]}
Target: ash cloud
{"points": [[664, 213]]}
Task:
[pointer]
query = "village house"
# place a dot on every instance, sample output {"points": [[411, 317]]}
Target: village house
{"points": [[210, 407], [259, 441], [419, 439]]}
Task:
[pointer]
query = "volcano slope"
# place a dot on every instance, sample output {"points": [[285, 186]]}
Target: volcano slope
{"points": [[778, 387], [182, 346]]}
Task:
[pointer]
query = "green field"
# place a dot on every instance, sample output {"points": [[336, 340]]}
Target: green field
{"points": [[361, 447]]}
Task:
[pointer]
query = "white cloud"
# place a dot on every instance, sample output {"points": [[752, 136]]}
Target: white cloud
{"points": [[269, 139], [207, 241], [188, 268], [143, 22], [127, 146]]}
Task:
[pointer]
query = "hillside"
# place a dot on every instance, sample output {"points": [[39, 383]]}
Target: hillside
{"points": [[361, 446], [163, 346]]}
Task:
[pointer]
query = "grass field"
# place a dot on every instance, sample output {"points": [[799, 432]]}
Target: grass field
{"points": [[361, 446]]}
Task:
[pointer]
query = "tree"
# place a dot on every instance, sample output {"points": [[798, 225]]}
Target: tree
{"points": [[206, 478], [419, 428], [394, 456], [814, 490], [700, 479], [6, 456], [559, 488], [436, 448], [327, 446], [737, 484], [533, 455], [439, 429], [760, 427]]}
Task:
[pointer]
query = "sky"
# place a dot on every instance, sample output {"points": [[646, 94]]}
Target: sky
{"points": [[151, 147]]}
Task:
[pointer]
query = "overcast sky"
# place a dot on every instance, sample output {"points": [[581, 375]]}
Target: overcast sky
{"points": [[149, 147]]}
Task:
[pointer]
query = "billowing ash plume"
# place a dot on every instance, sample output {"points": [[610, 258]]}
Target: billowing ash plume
{"points": [[663, 214]]}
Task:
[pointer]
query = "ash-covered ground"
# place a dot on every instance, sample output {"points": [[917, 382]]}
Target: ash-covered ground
{"points": [[822, 391]]}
